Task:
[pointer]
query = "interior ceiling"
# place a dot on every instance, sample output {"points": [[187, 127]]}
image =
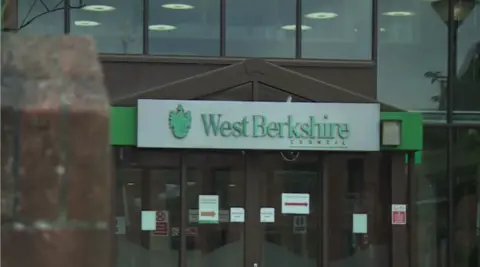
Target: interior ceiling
{"points": [[265, 12]]}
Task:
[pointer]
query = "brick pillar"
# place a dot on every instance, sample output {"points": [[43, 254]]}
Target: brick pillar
{"points": [[56, 165]]}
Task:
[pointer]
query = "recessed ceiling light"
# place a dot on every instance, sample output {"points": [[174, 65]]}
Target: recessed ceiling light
{"points": [[98, 8], [161, 27], [86, 23], [321, 15], [178, 6], [399, 13], [294, 27]]}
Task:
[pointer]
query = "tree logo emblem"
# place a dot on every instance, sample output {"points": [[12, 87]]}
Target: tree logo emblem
{"points": [[179, 122]]}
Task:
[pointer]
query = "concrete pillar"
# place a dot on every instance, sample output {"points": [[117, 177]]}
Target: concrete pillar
{"points": [[56, 165]]}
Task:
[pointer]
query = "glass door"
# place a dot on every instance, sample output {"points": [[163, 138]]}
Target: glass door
{"points": [[287, 209]]}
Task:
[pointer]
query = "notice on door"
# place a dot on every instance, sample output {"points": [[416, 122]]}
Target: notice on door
{"points": [[295, 203], [208, 209], [267, 215], [237, 215], [399, 214]]}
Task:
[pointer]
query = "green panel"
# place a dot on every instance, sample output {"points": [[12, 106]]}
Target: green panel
{"points": [[123, 126], [412, 130]]}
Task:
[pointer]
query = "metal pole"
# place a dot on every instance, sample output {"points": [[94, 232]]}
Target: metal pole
{"points": [[451, 81]]}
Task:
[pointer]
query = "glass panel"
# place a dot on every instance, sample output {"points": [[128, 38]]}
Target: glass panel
{"points": [[337, 29], [218, 244], [260, 28], [468, 48], [412, 55], [184, 27], [431, 236], [116, 25], [467, 197], [31, 17], [358, 234], [292, 239], [270, 94], [153, 191]]}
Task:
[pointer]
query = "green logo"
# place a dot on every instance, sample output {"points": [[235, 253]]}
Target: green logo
{"points": [[179, 122]]}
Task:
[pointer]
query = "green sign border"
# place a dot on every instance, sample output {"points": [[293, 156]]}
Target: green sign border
{"points": [[123, 128]]}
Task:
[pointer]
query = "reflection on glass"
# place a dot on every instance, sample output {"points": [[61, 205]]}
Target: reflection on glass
{"points": [[32, 20], [412, 48], [468, 49], [466, 197], [116, 25], [157, 192], [432, 201], [337, 29], [357, 190], [292, 240], [260, 28], [222, 244], [187, 28]]}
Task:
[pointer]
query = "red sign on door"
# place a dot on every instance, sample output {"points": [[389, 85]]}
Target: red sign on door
{"points": [[161, 228], [399, 214]]}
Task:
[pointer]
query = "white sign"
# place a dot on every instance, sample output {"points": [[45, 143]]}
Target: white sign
{"points": [[359, 223], [295, 203], [208, 209], [120, 224], [399, 214], [148, 220], [237, 214], [267, 215], [258, 125], [299, 224]]}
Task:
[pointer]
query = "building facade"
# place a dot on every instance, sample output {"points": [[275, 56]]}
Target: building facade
{"points": [[407, 56]]}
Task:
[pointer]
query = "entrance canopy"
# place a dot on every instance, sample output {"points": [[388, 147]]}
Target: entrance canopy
{"points": [[249, 77], [254, 80]]}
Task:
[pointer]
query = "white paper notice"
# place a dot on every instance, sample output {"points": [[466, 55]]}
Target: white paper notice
{"points": [[208, 209], [149, 220], [360, 223], [267, 215], [295, 203], [237, 215]]}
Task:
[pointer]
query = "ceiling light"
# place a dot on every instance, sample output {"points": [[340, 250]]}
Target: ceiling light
{"points": [[86, 23], [321, 15], [383, 30], [294, 27], [232, 185], [178, 6], [98, 8], [161, 27], [399, 13]]}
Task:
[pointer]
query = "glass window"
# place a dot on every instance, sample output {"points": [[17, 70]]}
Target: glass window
{"points": [[412, 55], [466, 190], [431, 233], [467, 92], [116, 25], [260, 28], [37, 17], [184, 27], [337, 29]]}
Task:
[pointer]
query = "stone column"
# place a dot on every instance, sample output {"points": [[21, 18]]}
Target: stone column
{"points": [[57, 201]]}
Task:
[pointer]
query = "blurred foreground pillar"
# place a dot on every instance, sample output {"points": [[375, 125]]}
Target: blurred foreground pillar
{"points": [[56, 176]]}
